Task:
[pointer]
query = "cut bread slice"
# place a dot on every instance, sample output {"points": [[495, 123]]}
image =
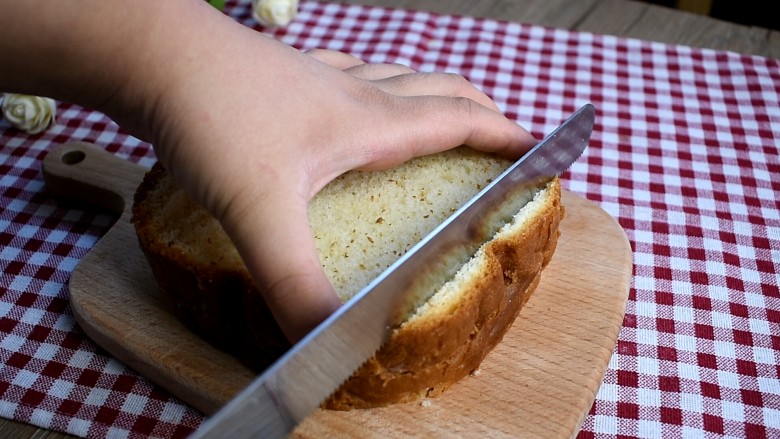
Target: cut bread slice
{"points": [[362, 223]]}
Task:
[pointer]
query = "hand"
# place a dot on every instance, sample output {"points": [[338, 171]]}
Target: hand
{"points": [[253, 129]]}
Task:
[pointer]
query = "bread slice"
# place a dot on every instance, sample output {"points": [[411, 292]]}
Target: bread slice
{"points": [[362, 222]]}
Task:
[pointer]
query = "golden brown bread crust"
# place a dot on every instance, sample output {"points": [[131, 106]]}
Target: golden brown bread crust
{"points": [[442, 351], [422, 358], [215, 303]]}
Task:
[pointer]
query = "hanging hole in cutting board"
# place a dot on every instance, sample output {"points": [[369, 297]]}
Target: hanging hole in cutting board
{"points": [[73, 157]]}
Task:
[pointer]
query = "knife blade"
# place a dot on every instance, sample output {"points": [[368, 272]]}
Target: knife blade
{"points": [[296, 384]]}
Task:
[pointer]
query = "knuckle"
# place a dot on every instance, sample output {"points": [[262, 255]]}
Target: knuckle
{"points": [[457, 80], [464, 106]]}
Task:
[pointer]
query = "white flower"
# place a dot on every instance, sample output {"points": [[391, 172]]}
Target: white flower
{"points": [[29, 113], [274, 12]]}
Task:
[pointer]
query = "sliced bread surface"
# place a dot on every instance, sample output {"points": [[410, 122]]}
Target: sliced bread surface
{"points": [[362, 223]]}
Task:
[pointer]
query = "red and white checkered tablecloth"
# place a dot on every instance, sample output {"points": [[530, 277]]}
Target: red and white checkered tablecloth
{"points": [[685, 155]]}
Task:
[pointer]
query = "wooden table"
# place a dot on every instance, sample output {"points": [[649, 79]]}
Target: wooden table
{"points": [[624, 18]]}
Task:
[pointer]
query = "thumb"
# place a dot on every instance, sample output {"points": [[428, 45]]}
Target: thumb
{"points": [[274, 238]]}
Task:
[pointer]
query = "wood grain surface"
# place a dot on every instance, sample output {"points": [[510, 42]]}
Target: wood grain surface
{"points": [[623, 18], [541, 380]]}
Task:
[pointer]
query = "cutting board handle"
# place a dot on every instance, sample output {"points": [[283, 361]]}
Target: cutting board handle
{"points": [[85, 172]]}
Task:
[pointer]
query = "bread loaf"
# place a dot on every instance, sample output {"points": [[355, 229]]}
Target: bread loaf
{"points": [[362, 222]]}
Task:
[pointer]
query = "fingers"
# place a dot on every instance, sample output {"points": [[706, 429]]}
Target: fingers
{"points": [[440, 121], [273, 236], [357, 67], [375, 72], [333, 58], [424, 125], [402, 80], [435, 84]]}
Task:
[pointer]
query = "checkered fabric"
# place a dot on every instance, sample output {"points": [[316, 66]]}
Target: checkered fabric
{"points": [[685, 155]]}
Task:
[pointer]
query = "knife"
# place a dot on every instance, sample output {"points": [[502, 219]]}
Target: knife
{"points": [[296, 384]]}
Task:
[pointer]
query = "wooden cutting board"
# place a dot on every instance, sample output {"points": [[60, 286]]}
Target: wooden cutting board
{"points": [[540, 381]]}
